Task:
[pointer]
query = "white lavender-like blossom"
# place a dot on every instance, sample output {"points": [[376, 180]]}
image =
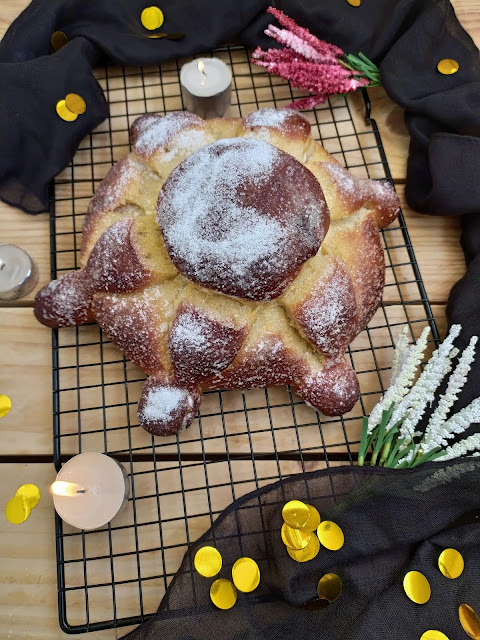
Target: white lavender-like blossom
{"points": [[399, 443], [414, 404], [399, 354], [437, 432], [460, 421], [406, 366], [462, 448]]}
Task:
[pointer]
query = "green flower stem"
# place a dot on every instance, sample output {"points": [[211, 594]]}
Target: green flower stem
{"points": [[363, 443], [385, 451]]}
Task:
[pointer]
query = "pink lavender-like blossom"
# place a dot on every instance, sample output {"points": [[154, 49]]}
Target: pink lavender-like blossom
{"points": [[276, 55], [308, 63], [297, 44], [319, 45]]}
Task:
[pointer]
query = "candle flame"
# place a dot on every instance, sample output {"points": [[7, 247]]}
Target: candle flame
{"points": [[61, 488], [201, 66]]}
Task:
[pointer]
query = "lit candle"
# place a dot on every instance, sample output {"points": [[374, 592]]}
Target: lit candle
{"points": [[206, 87], [18, 273], [90, 490]]}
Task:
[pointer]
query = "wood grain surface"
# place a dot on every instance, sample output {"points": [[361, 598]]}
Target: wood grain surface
{"points": [[28, 584]]}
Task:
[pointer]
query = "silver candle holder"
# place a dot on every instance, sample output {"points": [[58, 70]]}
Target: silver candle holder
{"points": [[18, 272], [206, 86]]}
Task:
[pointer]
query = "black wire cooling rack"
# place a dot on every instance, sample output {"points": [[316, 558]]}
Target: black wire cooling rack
{"points": [[241, 440]]}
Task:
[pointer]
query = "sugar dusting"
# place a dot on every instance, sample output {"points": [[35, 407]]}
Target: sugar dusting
{"points": [[220, 240], [134, 325], [116, 183], [328, 315], [162, 401], [153, 133], [64, 302], [276, 118], [113, 264], [201, 346]]}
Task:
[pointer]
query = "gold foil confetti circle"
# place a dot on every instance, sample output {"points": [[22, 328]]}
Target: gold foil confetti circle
{"points": [[295, 513], [31, 492], [17, 510], [295, 538], [5, 405], [64, 112], [151, 18], [330, 535], [447, 66], [354, 3], [313, 521], [304, 555], [451, 564], [75, 103], [329, 587], [58, 40], [470, 621], [208, 562], [417, 587], [223, 594], [433, 634], [246, 575]]}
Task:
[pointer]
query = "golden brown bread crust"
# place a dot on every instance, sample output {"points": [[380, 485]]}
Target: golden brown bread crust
{"points": [[308, 276]]}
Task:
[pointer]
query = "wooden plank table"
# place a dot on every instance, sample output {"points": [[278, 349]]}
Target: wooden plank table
{"points": [[28, 594]]}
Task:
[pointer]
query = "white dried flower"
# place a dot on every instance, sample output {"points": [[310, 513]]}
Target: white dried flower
{"points": [[413, 406], [399, 354], [437, 433], [462, 448], [406, 366], [460, 421]]}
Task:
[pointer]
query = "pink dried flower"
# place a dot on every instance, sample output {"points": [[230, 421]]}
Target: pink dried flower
{"points": [[319, 45], [297, 44], [308, 63]]}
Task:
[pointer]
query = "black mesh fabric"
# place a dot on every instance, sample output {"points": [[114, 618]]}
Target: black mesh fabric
{"points": [[393, 521]]}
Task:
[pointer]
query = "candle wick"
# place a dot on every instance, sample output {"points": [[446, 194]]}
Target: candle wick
{"points": [[2, 264], [81, 490]]}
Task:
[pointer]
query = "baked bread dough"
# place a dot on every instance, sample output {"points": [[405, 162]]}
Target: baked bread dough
{"points": [[225, 254]]}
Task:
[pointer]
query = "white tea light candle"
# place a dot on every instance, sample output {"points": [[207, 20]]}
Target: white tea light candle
{"points": [[18, 273], [206, 87], [90, 489]]}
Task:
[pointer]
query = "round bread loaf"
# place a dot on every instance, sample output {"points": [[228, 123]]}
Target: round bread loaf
{"points": [[228, 253]]}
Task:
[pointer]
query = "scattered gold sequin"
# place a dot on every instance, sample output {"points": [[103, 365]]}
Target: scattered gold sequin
{"points": [[64, 112], [447, 66], [295, 513], [433, 634], [313, 520], [5, 405], [17, 510], [304, 555], [208, 562], [169, 36], [31, 492], [223, 594], [75, 103], [329, 587], [330, 535], [151, 18], [417, 587], [469, 621], [295, 538], [246, 575], [58, 40], [451, 563], [354, 3]]}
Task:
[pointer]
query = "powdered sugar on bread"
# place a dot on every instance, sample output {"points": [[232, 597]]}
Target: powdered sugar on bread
{"points": [[231, 221]]}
